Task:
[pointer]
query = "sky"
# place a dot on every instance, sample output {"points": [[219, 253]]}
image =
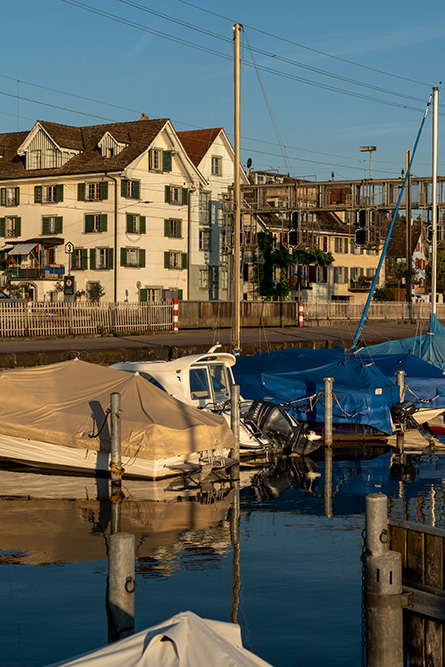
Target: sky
{"points": [[319, 80]]}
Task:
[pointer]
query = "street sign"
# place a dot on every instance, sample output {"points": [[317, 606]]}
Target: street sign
{"points": [[68, 286], [69, 248]]}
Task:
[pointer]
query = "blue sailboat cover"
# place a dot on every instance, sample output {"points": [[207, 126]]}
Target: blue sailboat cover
{"points": [[364, 386], [430, 346]]}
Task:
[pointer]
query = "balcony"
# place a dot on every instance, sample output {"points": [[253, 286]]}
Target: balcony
{"points": [[49, 272]]}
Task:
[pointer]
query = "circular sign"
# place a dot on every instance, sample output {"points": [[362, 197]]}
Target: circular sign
{"points": [[69, 282]]}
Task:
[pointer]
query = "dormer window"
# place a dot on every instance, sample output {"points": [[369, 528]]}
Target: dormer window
{"points": [[36, 159], [159, 160], [109, 152], [109, 146]]}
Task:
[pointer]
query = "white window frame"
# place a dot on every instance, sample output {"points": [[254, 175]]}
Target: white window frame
{"points": [[93, 191], [36, 159], [175, 259], [175, 195], [49, 194], [216, 168], [132, 258], [155, 159], [101, 258], [223, 279], [11, 226], [204, 279], [11, 199], [204, 239], [136, 219]]}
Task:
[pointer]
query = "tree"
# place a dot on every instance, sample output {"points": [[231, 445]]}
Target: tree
{"points": [[383, 294], [95, 292], [280, 258]]}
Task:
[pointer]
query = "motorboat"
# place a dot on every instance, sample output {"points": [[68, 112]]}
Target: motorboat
{"points": [[56, 417], [205, 380]]}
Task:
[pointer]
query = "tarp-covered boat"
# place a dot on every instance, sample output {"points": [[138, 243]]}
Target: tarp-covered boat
{"points": [[48, 413]]}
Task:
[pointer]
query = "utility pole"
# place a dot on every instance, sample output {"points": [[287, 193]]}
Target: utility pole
{"points": [[409, 250]]}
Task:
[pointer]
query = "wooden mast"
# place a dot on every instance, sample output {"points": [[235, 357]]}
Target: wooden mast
{"points": [[434, 202]]}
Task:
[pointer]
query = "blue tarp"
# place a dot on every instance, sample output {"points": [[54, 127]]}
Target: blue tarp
{"points": [[430, 346], [364, 384]]}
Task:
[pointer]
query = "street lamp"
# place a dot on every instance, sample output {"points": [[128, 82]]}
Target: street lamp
{"points": [[370, 150]]}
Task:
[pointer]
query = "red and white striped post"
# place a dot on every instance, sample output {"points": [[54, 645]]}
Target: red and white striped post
{"points": [[300, 313], [175, 315]]}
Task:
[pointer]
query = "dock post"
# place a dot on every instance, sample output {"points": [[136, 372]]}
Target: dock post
{"points": [[382, 589], [235, 418], [328, 382], [115, 454], [121, 586]]}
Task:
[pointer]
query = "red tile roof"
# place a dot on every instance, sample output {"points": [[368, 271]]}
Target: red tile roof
{"points": [[198, 142]]}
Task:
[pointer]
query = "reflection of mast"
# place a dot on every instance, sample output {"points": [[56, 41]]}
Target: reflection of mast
{"points": [[235, 539], [328, 481], [236, 343]]}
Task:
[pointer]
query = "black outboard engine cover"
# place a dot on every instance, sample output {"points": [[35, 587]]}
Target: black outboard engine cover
{"points": [[272, 419], [404, 411]]}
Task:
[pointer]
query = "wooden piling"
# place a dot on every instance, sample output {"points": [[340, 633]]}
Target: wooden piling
{"points": [[400, 435], [121, 586]]}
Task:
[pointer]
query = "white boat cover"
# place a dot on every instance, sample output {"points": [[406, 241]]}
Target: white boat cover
{"points": [[65, 402], [185, 640]]}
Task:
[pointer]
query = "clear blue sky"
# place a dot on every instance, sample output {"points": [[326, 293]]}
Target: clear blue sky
{"points": [[59, 45]]}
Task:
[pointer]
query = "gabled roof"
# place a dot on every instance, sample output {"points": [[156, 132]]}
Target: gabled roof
{"points": [[137, 134], [397, 242], [198, 142]]}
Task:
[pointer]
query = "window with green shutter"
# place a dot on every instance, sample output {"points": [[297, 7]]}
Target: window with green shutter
{"points": [[110, 257], [2, 227], [103, 188], [38, 194], [130, 189], [84, 259], [185, 196], [167, 161], [184, 260], [93, 259], [123, 256], [142, 224], [141, 257], [103, 222], [59, 192], [89, 224], [2, 196], [143, 295], [81, 192], [166, 260]]}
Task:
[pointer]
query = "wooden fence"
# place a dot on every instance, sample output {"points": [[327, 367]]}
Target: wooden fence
{"points": [[22, 318], [422, 550]]}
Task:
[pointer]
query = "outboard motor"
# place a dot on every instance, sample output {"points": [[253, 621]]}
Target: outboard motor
{"points": [[402, 413], [271, 419]]}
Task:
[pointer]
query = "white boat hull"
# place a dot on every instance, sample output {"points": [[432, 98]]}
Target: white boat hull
{"points": [[48, 456]]}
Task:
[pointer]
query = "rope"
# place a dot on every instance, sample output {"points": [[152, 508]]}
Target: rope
{"points": [[96, 435], [341, 409], [422, 400], [311, 401]]}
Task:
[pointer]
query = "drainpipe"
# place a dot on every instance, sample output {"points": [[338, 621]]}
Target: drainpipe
{"points": [[115, 236]]}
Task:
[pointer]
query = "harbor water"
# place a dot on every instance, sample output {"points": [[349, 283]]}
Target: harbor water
{"points": [[292, 581]]}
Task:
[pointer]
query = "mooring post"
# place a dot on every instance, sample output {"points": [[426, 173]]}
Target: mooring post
{"points": [[235, 515], [383, 598], [115, 454], [235, 418], [400, 434], [121, 586], [328, 382]]}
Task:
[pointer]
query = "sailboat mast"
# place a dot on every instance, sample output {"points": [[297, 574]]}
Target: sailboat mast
{"points": [[236, 329], [434, 202]]}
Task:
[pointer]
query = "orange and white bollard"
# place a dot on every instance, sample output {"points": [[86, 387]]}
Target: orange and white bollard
{"points": [[300, 313], [175, 315]]}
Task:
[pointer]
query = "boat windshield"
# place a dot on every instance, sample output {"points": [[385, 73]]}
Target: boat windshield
{"points": [[199, 384], [219, 383]]}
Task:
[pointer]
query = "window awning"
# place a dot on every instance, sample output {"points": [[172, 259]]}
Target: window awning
{"points": [[22, 249]]}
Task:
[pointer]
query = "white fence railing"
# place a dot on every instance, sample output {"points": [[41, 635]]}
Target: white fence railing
{"points": [[388, 310], [20, 318]]}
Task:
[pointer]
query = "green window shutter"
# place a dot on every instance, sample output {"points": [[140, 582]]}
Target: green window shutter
{"points": [[92, 258], [141, 258], [123, 257], [59, 225], [136, 189], [81, 192], [3, 197], [2, 227], [178, 228], [59, 192], [38, 194], [143, 295], [166, 260], [103, 222], [103, 190], [89, 223], [185, 196], [142, 224], [18, 226], [45, 225], [109, 258], [124, 188], [184, 260], [129, 223], [180, 294], [84, 259], [167, 194], [167, 228], [166, 161], [17, 196]]}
